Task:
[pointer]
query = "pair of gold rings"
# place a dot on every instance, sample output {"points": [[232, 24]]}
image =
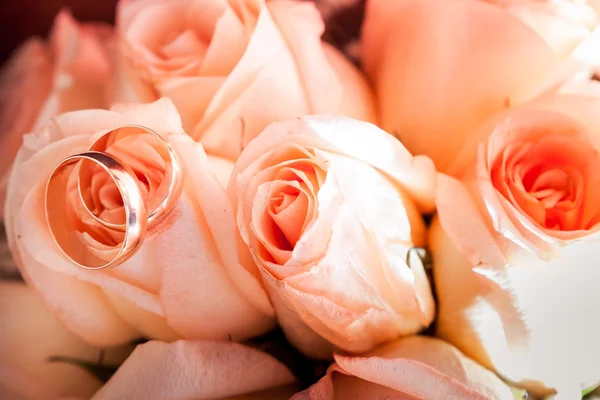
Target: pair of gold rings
{"points": [[64, 217]]}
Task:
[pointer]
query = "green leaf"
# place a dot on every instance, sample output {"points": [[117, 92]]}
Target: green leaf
{"points": [[590, 389], [421, 255], [519, 394], [102, 372]]}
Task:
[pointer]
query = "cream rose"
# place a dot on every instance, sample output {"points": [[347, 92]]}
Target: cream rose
{"points": [[440, 68], [516, 244], [32, 344], [413, 368], [329, 208], [41, 80], [233, 67], [185, 281]]}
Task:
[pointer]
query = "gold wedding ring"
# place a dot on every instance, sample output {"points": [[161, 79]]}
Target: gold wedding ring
{"points": [[78, 223], [169, 189], [61, 214]]}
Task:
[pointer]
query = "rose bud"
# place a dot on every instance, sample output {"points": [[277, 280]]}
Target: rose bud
{"points": [[233, 67], [440, 68], [41, 80], [417, 367], [185, 281], [330, 209], [516, 244], [39, 358]]}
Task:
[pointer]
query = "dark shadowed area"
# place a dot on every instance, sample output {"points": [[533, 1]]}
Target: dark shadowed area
{"points": [[20, 19]]}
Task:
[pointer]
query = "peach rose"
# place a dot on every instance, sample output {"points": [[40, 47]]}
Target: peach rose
{"points": [[330, 208], [233, 67], [42, 80], [185, 281], [442, 67], [516, 242], [31, 342], [198, 370], [417, 367]]}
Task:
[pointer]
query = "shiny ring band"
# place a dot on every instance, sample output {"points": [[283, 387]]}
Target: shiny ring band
{"points": [[169, 189], [60, 215]]}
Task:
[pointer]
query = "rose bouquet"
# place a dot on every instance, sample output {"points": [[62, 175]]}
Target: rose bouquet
{"points": [[285, 199]]}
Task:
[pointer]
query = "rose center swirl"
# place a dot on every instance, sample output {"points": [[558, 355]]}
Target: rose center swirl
{"points": [[289, 193], [550, 181]]}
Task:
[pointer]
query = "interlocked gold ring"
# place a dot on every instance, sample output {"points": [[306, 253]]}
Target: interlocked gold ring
{"points": [[61, 216], [169, 189]]}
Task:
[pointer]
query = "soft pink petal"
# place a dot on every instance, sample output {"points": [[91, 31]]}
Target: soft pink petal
{"points": [[128, 85], [184, 369], [28, 71], [160, 115], [358, 100], [221, 169], [218, 214], [247, 112], [192, 95], [412, 368], [281, 76], [297, 332], [464, 222], [347, 136], [301, 27], [17, 384], [441, 67], [578, 101], [82, 67], [562, 24], [207, 305], [25, 369], [266, 49], [228, 42]]}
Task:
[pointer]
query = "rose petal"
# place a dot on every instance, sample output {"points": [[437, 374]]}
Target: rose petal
{"points": [[184, 369], [229, 273], [465, 223], [416, 367], [434, 89], [192, 96], [28, 71], [228, 42], [297, 21], [24, 359], [160, 115], [340, 135], [82, 67], [275, 66]]}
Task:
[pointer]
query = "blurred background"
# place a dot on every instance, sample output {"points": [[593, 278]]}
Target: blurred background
{"points": [[20, 19]]}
